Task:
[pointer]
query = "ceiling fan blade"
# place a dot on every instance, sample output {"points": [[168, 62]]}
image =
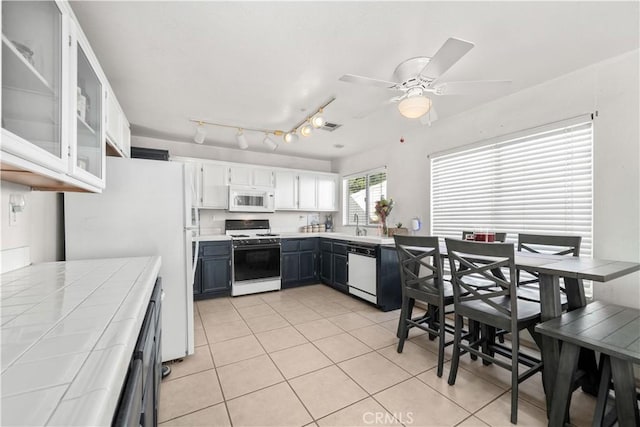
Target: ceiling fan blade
{"points": [[430, 117], [450, 53], [350, 78], [479, 87]]}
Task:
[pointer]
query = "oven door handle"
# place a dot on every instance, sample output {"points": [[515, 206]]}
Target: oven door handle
{"points": [[249, 247]]}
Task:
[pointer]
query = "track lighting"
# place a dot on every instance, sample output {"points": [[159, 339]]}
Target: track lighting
{"points": [[306, 130], [317, 121], [269, 142], [290, 137], [242, 140], [200, 134], [304, 127]]}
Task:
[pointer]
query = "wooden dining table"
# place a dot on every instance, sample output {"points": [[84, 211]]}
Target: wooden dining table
{"points": [[573, 271]]}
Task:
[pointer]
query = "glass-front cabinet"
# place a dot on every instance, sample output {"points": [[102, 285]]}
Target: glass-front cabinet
{"points": [[53, 99], [33, 84], [89, 157]]}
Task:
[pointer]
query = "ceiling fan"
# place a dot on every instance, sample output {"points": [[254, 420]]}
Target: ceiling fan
{"points": [[417, 77]]}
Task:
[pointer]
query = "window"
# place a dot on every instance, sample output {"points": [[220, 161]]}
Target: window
{"points": [[539, 183], [361, 192]]}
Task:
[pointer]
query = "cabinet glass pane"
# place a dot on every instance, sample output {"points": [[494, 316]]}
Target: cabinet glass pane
{"points": [[31, 72], [89, 117]]}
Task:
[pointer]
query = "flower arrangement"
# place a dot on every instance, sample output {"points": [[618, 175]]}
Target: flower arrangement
{"points": [[383, 209]]}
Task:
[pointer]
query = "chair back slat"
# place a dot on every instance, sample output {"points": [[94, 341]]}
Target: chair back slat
{"points": [[547, 244], [420, 264], [472, 261]]}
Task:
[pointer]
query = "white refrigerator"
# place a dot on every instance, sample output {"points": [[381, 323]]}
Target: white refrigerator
{"points": [[145, 210]]}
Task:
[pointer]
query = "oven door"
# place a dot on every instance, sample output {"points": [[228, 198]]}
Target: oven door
{"points": [[256, 262]]}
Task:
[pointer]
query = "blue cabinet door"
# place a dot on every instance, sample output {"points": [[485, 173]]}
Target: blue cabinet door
{"points": [[308, 267], [216, 274], [290, 269]]}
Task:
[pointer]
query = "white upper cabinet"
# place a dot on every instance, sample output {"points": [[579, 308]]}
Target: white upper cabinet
{"points": [[286, 190], [327, 192], [118, 133], [215, 191], [87, 161], [307, 192], [35, 91], [53, 100], [247, 175]]}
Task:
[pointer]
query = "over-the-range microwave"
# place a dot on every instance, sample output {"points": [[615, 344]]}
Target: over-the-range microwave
{"points": [[244, 198]]}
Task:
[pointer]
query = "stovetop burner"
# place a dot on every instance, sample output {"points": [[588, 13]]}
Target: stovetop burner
{"points": [[267, 235]]}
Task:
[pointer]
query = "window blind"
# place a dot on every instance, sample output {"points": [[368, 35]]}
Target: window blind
{"points": [[361, 193], [539, 183]]}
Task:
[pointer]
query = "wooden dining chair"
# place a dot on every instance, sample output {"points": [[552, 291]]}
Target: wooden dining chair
{"points": [[421, 280], [494, 305], [529, 288]]}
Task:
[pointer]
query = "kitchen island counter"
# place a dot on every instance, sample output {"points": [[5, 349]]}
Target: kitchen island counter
{"points": [[68, 333]]}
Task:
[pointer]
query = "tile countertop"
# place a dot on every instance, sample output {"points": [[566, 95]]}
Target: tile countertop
{"points": [[68, 333], [375, 240]]}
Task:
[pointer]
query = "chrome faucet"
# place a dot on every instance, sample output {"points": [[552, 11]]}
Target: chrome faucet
{"points": [[359, 231]]}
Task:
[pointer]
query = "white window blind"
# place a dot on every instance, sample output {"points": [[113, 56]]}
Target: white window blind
{"points": [[539, 183], [361, 193]]}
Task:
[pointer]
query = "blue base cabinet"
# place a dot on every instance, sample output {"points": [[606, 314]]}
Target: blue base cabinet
{"points": [[213, 271], [299, 262], [334, 269]]}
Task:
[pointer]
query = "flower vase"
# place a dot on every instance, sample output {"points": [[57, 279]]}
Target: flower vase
{"points": [[385, 230]]}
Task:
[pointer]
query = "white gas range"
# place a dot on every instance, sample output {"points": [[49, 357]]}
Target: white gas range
{"points": [[256, 256]]}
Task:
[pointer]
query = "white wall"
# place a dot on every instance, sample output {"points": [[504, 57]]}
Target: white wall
{"points": [[190, 149], [610, 87], [38, 227]]}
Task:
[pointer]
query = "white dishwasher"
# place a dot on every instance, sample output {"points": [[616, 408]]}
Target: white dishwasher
{"points": [[362, 272]]}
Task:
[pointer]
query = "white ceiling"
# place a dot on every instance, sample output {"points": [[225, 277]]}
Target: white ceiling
{"points": [[267, 64]]}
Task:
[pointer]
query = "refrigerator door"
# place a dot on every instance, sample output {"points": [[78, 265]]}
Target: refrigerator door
{"points": [[141, 213]]}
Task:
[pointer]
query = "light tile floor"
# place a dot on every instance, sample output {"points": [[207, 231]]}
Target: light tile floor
{"points": [[314, 356]]}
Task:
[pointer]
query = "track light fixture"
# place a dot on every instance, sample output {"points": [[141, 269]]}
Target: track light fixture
{"points": [[241, 140], [269, 142], [306, 130], [304, 127], [198, 138]]}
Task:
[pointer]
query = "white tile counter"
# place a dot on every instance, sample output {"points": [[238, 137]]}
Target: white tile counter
{"points": [[68, 333]]}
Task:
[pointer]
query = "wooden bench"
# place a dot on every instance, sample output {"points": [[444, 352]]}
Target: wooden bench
{"points": [[614, 332]]}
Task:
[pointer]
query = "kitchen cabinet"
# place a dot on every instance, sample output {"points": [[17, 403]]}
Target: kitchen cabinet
{"points": [[53, 100], [241, 175], [334, 271], [327, 192], [213, 271], [215, 188], [286, 190], [333, 264], [117, 127], [88, 159], [299, 262], [306, 191]]}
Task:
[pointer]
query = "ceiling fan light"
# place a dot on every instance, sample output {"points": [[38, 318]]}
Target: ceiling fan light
{"points": [[306, 130], [414, 106], [317, 122], [241, 140], [269, 143], [290, 137], [200, 135]]}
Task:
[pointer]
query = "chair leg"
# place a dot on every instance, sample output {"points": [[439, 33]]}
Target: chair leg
{"points": [[474, 334], [433, 313], [489, 335], [456, 351], [441, 342], [515, 342], [403, 331]]}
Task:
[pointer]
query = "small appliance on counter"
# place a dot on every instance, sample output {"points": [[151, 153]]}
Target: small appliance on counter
{"points": [[255, 256], [328, 222]]}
